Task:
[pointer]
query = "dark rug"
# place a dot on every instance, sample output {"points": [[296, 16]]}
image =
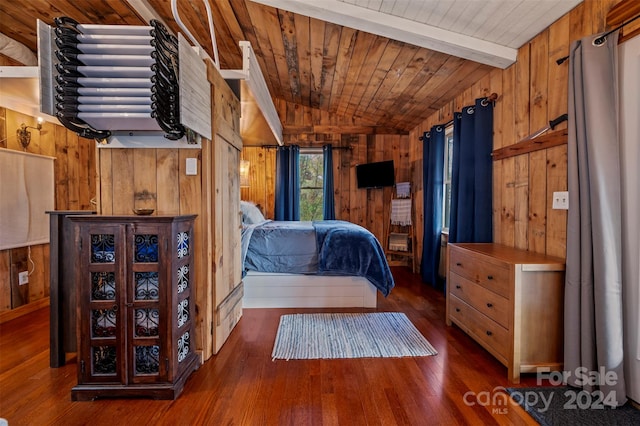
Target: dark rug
{"points": [[562, 405]]}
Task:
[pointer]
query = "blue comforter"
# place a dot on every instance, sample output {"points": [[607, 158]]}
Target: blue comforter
{"points": [[340, 248], [345, 248], [281, 246]]}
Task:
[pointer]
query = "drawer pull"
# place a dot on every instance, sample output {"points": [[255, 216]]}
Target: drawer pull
{"points": [[458, 286], [489, 305], [489, 333], [489, 277], [457, 309], [458, 264]]}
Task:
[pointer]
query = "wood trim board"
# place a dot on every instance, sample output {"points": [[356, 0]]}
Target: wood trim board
{"points": [[546, 141]]}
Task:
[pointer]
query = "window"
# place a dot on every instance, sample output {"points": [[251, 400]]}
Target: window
{"points": [[311, 179], [446, 181]]}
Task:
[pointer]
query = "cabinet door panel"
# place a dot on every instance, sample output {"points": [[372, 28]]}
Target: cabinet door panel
{"points": [[101, 293], [147, 298], [182, 347]]}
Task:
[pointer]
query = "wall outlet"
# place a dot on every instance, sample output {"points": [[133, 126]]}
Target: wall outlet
{"points": [[561, 200], [23, 278]]}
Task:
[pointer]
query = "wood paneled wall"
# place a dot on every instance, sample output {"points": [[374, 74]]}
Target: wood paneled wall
{"points": [[157, 179], [531, 92], [366, 207], [75, 174]]}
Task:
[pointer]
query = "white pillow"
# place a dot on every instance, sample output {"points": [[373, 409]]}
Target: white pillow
{"points": [[251, 214]]}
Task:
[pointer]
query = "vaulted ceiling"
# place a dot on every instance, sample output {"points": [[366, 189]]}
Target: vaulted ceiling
{"points": [[384, 63]]}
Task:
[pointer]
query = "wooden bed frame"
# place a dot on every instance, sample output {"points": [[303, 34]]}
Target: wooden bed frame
{"points": [[278, 290]]}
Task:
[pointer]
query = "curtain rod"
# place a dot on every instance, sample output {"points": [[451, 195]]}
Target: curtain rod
{"points": [[598, 41], [491, 98], [603, 37]]}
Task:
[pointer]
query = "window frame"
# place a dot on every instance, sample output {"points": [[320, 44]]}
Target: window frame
{"points": [[311, 151], [446, 176]]}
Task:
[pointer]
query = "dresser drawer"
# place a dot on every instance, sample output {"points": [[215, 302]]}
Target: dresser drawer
{"points": [[487, 272], [487, 332], [489, 303]]}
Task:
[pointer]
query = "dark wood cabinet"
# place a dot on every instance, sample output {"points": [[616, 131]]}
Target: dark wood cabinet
{"points": [[136, 306], [62, 294]]}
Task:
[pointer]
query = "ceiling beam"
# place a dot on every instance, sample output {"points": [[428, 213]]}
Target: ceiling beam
{"points": [[342, 129], [405, 30], [146, 12], [256, 88], [17, 51]]}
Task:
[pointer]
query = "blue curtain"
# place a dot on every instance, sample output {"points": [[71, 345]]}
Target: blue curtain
{"points": [[287, 202], [432, 181], [328, 207], [471, 179]]}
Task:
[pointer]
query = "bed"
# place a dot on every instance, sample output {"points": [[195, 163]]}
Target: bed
{"points": [[311, 264]]}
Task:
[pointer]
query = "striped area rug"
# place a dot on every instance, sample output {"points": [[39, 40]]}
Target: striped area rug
{"points": [[352, 335]]}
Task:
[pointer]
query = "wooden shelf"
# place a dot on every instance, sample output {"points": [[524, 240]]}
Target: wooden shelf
{"points": [[400, 253], [549, 140]]}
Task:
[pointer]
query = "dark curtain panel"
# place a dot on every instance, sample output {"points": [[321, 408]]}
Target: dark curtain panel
{"points": [[329, 210], [593, 302], [432, 181], [287, 203], [471, 180]]}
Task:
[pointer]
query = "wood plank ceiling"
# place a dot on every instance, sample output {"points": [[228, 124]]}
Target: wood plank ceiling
{"points": [[363, 78]]}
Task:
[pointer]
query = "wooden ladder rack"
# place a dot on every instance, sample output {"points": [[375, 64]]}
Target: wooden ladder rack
{"points": [[397, 257]]}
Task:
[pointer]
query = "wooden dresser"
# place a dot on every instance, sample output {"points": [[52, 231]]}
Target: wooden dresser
{"points": [[510, 301]]}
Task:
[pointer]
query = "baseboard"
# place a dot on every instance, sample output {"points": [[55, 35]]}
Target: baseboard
{"points": [[23, 310]]}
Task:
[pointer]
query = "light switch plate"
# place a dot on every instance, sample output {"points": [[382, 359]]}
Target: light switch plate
{"points": [[192, 166], [561, 200]]}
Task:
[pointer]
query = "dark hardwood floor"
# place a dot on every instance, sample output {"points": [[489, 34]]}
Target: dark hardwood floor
{"points": [[242, 385]]}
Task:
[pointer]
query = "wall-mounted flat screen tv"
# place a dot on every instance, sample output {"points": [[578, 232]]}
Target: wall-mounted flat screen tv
{"points": [[375, 175]]}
